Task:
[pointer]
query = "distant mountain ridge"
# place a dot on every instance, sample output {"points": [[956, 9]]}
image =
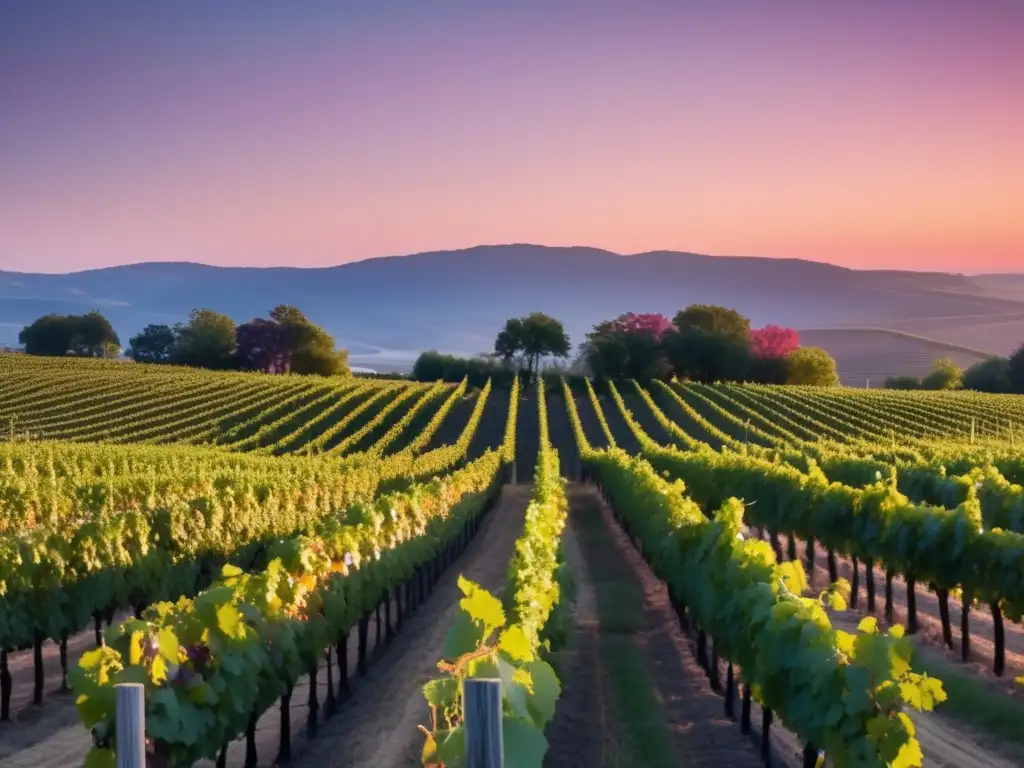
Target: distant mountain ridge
{"points": [[456, 301]]}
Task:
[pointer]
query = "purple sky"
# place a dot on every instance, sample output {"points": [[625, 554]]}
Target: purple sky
{"points": [[870, 134]]}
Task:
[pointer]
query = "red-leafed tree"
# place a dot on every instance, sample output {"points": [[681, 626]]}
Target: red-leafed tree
{"points": [[628, 347], [774, 341], [631, 322], [261, 346]]}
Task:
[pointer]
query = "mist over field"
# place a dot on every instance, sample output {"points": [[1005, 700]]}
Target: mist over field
{"points": [[387, 310]]}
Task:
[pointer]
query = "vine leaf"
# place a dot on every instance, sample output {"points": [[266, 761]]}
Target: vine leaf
{"points": [[483, 607], [514, 643], [97, 757], [546, 690], [462, 637], [524, 744]]}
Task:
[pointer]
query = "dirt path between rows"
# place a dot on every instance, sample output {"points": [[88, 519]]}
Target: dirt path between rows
{"points": [[582, 732], [591, 725], [379, 720], [378, 727], [982, 650]]}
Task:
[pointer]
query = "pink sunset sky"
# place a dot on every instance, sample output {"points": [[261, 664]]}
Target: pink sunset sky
{"points": [[870, 134]]}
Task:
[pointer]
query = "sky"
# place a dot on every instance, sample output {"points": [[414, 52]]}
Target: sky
{"points": [[874, 134]]}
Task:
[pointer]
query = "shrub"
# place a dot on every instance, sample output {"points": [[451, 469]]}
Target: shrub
{"points": [[945, 375], [813, 366]]}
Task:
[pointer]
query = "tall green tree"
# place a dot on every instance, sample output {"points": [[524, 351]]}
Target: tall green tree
{"points": [[1016, 371], [713, 319], [989, 376], [88, 335], [707, 356], [289, 342], [530, 339], [207, 340], [94, 336], [153, 344], [50, 335], [308, 348]]}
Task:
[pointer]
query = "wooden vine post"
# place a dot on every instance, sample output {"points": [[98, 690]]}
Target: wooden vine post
{"points": [[131, 725], [482, 704]]}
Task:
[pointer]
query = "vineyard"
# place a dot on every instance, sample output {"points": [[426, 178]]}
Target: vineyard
{"points": [[305, 569]]}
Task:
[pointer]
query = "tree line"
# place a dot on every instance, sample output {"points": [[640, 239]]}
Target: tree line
{"points": [[1000, 375], [702, 342], [284, 342], [88, 335]]}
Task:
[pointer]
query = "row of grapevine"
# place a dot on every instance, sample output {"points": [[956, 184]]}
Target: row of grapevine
{"points": [[947, 549], [928, 482], [489, 639], [102, 528], [211, 665], [923, 481], [82, 402], [838, 691]]}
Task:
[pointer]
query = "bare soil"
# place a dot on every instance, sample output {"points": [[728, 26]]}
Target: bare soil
{"points": [[583, 730], [982, 646], [376, 726], [585, 725], [589, 421]]}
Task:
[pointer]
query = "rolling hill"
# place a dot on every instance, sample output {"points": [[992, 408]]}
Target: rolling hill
{"points": [[868, 356], [386, 310]]}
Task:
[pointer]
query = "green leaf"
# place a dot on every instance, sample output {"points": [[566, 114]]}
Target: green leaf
{"points": [[97, 706], [131, 675], [524, 743], [546, 690], [516, 689], [441, 692], [97, 757], [451, 747], [163, 720], [201, 692], [463, 636]]}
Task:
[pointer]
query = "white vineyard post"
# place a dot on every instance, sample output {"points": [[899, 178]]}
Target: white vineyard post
{"points": [[482, 705], [972, 429], [130, 700]]}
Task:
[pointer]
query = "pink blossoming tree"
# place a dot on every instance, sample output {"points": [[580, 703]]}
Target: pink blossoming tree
{"points": [[774, 341]]}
